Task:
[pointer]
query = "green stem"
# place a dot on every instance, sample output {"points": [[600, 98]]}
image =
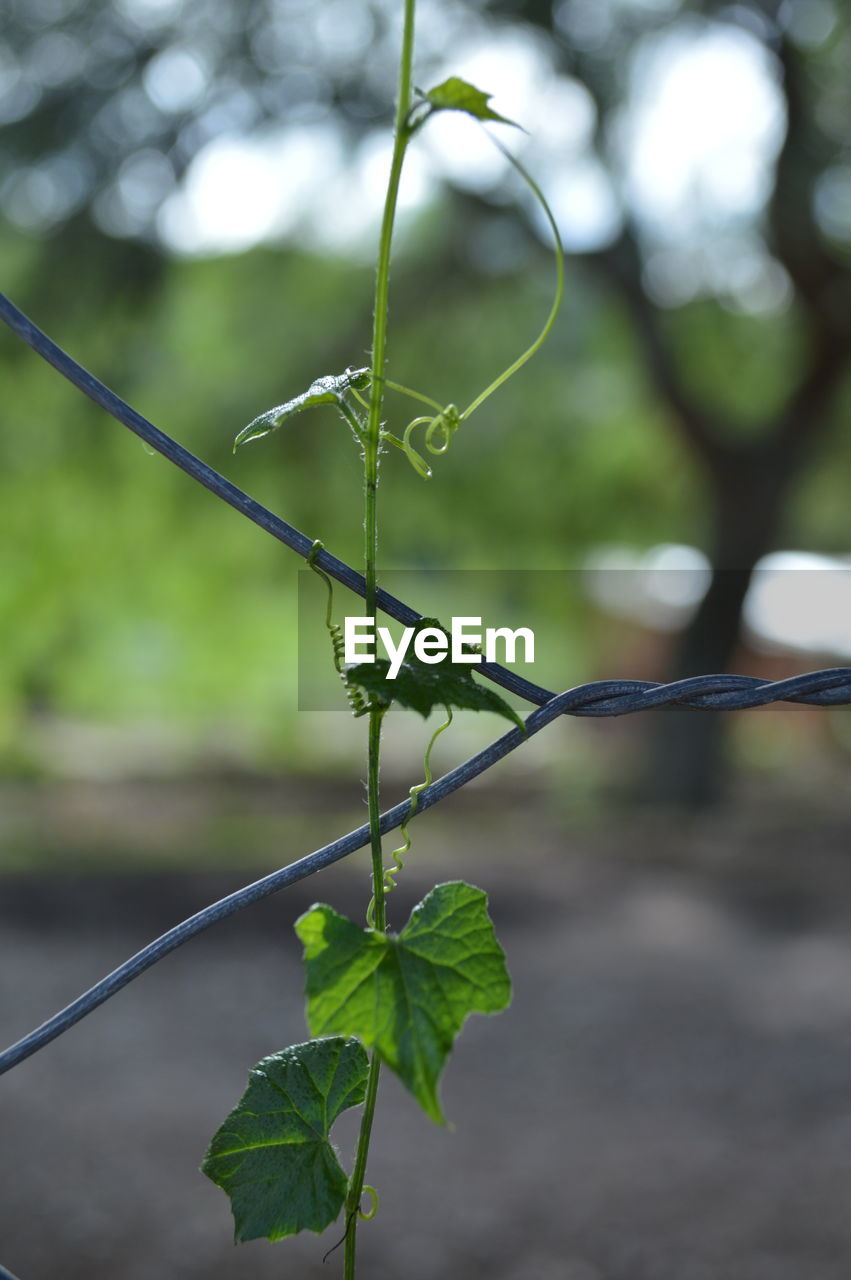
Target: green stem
{"points": [[355, 1192], [401, 137], [378, 913]]}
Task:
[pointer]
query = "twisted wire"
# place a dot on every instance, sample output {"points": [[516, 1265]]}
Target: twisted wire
{"points": [[828, 688], [831, 687], [604, 697]]}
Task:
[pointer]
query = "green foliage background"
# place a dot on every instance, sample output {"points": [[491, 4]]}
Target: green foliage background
{"points": [[127, 594]]}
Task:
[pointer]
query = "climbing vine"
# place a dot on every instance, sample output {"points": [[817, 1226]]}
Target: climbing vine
{"points": [[373, 997]]}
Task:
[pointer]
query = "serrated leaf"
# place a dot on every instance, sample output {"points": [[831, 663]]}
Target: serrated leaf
{"points": [[455, 94], [406, 996], [326, 390], [421, 686], [272, 1155]]}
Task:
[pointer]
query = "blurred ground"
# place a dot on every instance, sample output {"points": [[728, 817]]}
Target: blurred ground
{"points": [[668, 1098]]}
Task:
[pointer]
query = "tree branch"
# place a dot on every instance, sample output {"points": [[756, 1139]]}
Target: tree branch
{"points": [[621, 264], [822, 279]]}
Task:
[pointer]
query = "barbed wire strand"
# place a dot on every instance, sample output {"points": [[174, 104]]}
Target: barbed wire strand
{"points": [[712, 692]]}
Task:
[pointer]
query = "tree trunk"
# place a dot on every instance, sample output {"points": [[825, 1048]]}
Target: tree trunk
{"points": [[687, 747]]}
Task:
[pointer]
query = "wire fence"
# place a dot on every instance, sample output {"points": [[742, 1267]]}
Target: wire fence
{"points": [[826, 688], [601, 698]]}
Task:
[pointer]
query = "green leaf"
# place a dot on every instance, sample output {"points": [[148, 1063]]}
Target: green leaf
{"points": [[327, 390], [406, 996], [457, 95], [422, 686], [272, 1155]]}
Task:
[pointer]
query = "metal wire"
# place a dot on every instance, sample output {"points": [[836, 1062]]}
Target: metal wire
{"points": [[611, 697], [605, 697], [828, 688], [831, 687], [300, 870]]}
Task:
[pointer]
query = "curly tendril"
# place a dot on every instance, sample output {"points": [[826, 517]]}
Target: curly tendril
{"points": [[356, 697], [365, 1215], [438, 435], [398, 855], [368, 1215]]}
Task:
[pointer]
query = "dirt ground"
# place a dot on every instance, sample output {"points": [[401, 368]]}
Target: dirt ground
{"points": [[668, 1098]]}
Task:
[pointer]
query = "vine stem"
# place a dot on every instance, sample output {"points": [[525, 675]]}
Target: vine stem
{"points": [[401, 138], [355, 1191]]}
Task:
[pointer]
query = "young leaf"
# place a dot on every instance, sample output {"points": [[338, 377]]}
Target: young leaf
{"points": [[272, 1155], [327, 390], [407, 995], [421, 686], [457, 95]]}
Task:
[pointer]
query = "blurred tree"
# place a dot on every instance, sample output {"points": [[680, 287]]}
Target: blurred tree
{"points": [[107, 104], [752, 453]]}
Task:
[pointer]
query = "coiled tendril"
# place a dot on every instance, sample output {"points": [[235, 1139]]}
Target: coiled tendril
{"points": [[355, 695], [439, 430], [390, 873], [365, 1215]]}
